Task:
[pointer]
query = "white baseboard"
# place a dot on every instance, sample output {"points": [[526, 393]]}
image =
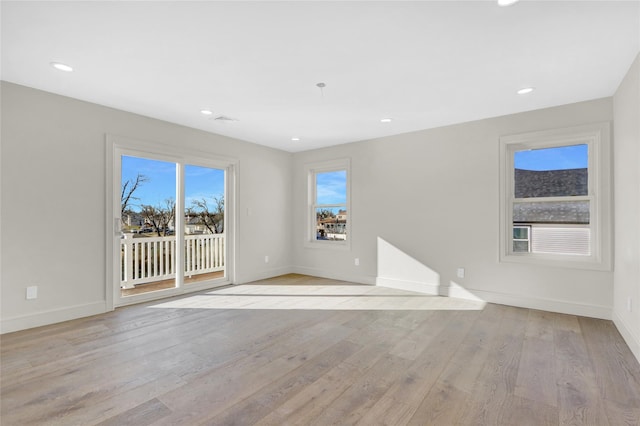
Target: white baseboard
{"points": [[38, 319], [321, 273], [262, 275], [550, 305], [459, 292], [53, 316], [633, 340], [419, 287]]}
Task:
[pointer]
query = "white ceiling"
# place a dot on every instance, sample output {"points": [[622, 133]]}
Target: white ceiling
{"points": [[423, 63]]}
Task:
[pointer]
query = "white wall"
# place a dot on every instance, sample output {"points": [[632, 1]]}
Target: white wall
{"points": [[626, 107], [431, 196], [434, 195], [53, 201]]}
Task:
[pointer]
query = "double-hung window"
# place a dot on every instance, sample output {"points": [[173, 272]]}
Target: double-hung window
{"points": [[328, 221], [555, 197]]}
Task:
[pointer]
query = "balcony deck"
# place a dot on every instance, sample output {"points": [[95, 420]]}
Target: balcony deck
{"points": [[170, 283], [148, 264]]}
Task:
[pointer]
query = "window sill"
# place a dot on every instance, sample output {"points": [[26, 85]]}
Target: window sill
{"points": [[331, 245]]}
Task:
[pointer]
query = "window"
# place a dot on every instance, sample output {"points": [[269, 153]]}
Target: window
{"points": [[328, 222], [521, 240], [555, 206]]}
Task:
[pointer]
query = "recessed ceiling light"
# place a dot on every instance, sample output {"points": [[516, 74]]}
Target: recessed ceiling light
{"points": [[62, 67], [386, 120], [206, 112], [506, 2], [525, 90], [295, 139]]}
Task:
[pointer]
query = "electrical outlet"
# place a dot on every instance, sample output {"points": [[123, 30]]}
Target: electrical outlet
{"points": [[32, 292], [460, 272], [629, 305], [357, 261], [266, 259]]}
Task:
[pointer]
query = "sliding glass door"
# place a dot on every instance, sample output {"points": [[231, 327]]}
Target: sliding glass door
{"points": [[204, 220], [148, 252], [172, 224]]}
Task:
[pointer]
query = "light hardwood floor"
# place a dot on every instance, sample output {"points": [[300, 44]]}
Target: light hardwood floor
{"points": [[302, 350]]}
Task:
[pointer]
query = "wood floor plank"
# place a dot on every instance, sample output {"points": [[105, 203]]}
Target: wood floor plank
{"points": [[497, 381], [262, 402], [622, 414], [527, 412], [536, 373], [460, 367], [248, 375], [142, 415], [387, 411], [363, 393], [471, 356], [440, 405], [311, 401], [617, 372], [578, 399]]}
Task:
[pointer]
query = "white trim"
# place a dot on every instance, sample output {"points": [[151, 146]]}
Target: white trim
{"points": [[549, 305], [178, 225], [598, 138], [311, 169], [321, 273], [415, 286], [110, 226], [632, 340], [156, 295], [53, 316], [263, 275]]}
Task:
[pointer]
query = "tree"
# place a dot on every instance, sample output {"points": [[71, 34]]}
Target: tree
{"points": [[159, 216], [129, 187], [324, 214], [211, 217]]}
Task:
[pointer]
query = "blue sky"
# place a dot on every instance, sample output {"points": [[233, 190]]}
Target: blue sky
{"points": [[559, 158], [331, 187], [200, 182]]}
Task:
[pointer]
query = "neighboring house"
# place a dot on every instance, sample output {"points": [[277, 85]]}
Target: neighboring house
{"points": [[132, 221], [549, 226], [194, 225], [135, 222], [333, 228]]}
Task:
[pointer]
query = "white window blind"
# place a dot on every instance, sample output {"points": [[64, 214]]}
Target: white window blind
{"points": [[560, 240]]}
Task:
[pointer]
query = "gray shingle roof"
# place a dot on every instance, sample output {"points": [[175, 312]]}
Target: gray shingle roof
{"points": [[553, 183], [575, 212]]}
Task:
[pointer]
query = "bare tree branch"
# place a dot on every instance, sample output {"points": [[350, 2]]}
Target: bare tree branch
{"points": [[211, 217], [325, 214], [160, 217], [126, 195]]}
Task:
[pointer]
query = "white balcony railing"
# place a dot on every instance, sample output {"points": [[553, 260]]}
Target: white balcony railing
{"points": [[149, 259]]}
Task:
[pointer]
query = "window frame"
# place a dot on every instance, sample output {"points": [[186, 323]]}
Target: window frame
{"points": [[597, 137], [311, 171]]}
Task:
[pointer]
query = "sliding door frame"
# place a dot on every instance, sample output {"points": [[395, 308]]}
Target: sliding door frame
{"points": [[116, 146]]}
